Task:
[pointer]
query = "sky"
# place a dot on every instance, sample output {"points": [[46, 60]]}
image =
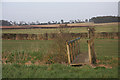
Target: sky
{"points": [[55, 11], [60, 0]]}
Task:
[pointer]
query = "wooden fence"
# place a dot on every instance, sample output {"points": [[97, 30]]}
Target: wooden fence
{"points": [[73, 49], [75, 56]]}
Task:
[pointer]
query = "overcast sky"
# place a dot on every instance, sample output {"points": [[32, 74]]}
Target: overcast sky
{"points": [[55, 11]]}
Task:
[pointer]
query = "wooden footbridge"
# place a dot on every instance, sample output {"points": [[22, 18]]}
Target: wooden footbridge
{"points": [[75, 56]]}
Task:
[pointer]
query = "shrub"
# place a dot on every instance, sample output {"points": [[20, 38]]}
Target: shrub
{"points": [[58, 51]]}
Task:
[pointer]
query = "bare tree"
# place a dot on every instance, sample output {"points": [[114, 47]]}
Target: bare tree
{"points": [[62, 21], [37, 22]]}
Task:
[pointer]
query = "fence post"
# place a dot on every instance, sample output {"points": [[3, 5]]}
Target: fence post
{"points": [[74, 50], [89, 52], [71, 54], [68, 52]]}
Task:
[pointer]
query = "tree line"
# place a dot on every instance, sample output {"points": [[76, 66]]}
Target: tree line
{"points": [[20, 23], [105, 19], [100, 19]]}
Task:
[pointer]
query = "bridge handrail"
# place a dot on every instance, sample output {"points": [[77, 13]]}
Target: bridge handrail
{"points": [[73, 40]]}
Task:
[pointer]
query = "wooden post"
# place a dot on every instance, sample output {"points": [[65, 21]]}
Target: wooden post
{"points": [[88, 33], [71, 54], [78, 47], [74, 50], [68, 52], [89, 52], [93, 53]]}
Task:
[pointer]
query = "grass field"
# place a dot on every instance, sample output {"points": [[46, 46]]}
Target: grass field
{"points": [[57, 71], [106, 27], [106, 50], [26, 45]]}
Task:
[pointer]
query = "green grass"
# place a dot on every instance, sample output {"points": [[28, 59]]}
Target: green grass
{"points": [[57, 71], [26, 45], [22, 51], [106, 51], [106, 47], [102, 28]]}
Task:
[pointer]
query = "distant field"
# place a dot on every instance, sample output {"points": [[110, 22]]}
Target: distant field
{"points": [[102, 27], [106, 50]]}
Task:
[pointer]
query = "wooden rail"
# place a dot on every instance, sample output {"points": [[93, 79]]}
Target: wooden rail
{"points": [[73, 40]]}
